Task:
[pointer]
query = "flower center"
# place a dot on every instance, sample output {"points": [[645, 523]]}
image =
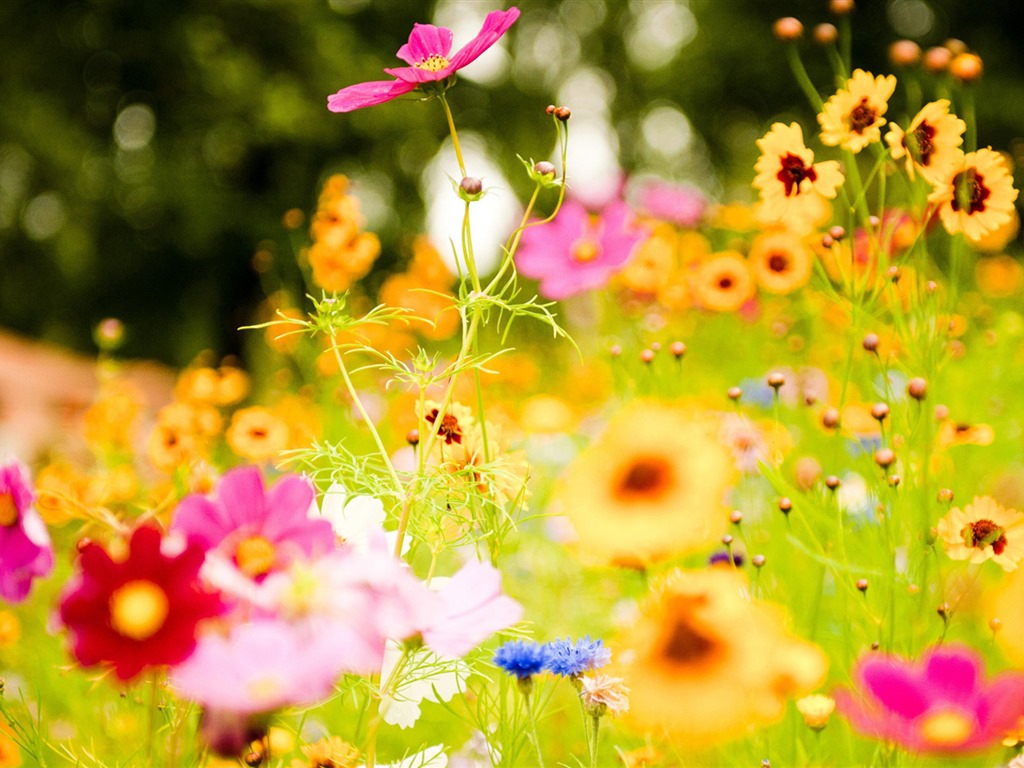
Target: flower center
{"points": [[921, 143], [8, 511], [969, 192], [725, 282], [255, 556], [684, 643], [778, 262], [138, 609], [946, 728], [646, 477], [585, 250], [984, 533], [862, 116], [433, 63], [449, 428], [794, 170]]}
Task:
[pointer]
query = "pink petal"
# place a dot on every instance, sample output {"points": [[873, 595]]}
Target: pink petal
{"points": [[953, 674], [240, 492], [289, 499], [473, 609], [897, 688], [425, 41], [495, 25], [417, 75], [367, 94], [201, 521], [1002, 705]]}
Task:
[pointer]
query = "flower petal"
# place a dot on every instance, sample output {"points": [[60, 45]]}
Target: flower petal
{"points": [[953, 674], [893, 685], [425, 41], [367, 94], [495, 25]]}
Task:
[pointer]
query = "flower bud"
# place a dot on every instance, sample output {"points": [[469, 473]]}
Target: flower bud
{"points": [[550, 109], [945, 495], [937, 59], [825, 34], [832, 482], [837, 232], [785, 505], [827, 241], [109, 334], [776, 380], [544, 168], [917, 388], [734, 393], [966, 67], [563, 114], [471, 186], [870, 342], [677, 348], [647, 356], [879, 411], [840, 7], [862, 585], [884, 457], [830, 418], [758, 561], [955, 46], [735, 517], [788, 28], [904, 53], [412, 437]]}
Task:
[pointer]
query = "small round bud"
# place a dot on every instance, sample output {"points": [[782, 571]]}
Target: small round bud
{"points": [[785, 505], [810, 399], [931, 286], [917, 388], [870, 342], [937, 59], [837, 233], [832, 482], [776, 380], [894, 480], [945, 495], [544, 168], [884, 457], [840, 7], [615, 350], [563, 114], [827, 241], [758, 561], [862, 585], [109, 334], [825, 34], [830, 418], [966, 67], [656, 346], [412, 437], [788, 28], [875, 646], [766, 763], [879, 411], [904, 53], [944, 609], [646, 356], [995, 624], [727, 540], [955, 46], [734, 393], [677, 348], [893, 273], [471, 185], [873, 222], [550, 109], [735, 517], [941, 412]]}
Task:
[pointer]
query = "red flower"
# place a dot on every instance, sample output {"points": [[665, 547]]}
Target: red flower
{"points": [[139, 611]]}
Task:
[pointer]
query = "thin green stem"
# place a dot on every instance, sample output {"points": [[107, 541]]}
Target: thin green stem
{"points": [[454, 133], [802, 78]]}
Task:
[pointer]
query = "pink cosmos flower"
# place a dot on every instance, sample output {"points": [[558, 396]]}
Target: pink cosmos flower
{"points": [[25, 549], [260, 667], [679, 204], [257, 531], [938, 705], [472, 609], [577, 251], [427, 53]]}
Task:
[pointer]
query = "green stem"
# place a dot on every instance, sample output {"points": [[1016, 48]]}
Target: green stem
{"points": [[531, 717], [595, 732], [454, 133], [802, 78]]}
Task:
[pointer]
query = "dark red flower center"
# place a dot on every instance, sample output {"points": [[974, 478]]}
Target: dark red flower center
{"points": [[985, 533], [448, 429], [794, 170], [969, 192], [923, 143], [684, 643], [645, 477], [725, 282], [778, 262], [862, 116]]}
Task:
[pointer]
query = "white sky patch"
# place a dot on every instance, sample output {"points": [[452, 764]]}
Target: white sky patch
{"points": [[493, 217]]}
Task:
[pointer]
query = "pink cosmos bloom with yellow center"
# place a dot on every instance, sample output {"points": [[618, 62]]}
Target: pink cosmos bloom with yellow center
{"points": [[577, 251], [939, 705], [25, 549], [430, 60], [257, 531]]}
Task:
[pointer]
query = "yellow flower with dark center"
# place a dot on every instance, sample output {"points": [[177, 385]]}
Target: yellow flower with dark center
{"points": [[707, 664], [257, 433], [724, 282], [975, 196], [984, 530], [853, 117], [653, 485], [957, 433], [790, 182], [780, 262], [931, 143]]}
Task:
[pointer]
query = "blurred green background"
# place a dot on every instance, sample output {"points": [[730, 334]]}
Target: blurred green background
{"points": [[148, 148]]}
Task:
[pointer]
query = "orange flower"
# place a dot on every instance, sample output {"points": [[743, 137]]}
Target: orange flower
{"points": [[852, 118], [257, 434], [999, 277], [724, 282], [789, 180], [341, 252], [976, 195], [780, 262], [651, 264]]}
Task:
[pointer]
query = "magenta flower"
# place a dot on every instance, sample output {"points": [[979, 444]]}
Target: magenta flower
{"points": [[938, 705], [261, 666], [257, 531], [472, 609], [577, 251], [25, 549], [427, 53], [679, 204]]}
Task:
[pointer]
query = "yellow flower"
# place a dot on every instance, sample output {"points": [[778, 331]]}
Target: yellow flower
{"points": [[724, 282], [707, 664], [999, 277], [931, 143], [998, 238], [651, 486], [780, 262], [816, 710], [975, 196], [984, 530], [257, 434], [10, 628], [852, 118], [952, 433], [341, 252], [331, 752], [790, 182], [649, 268]]}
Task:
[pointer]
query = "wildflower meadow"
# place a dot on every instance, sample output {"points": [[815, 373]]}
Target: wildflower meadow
{"points": [[654, 474]]}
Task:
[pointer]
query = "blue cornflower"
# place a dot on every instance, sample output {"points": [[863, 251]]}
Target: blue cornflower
{"points": [[573, 659], [522, 658]]}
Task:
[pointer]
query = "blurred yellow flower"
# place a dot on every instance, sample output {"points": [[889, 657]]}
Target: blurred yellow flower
{"points": [[329, 752], [931, 143], [984, 530], [10, 629], [341, 253], [816, 710], [651, 264], [707, 664], [724, 282], [852, 118], [780, 262], [953, 433], [257, 433], [651, 486], [999, 277]]}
